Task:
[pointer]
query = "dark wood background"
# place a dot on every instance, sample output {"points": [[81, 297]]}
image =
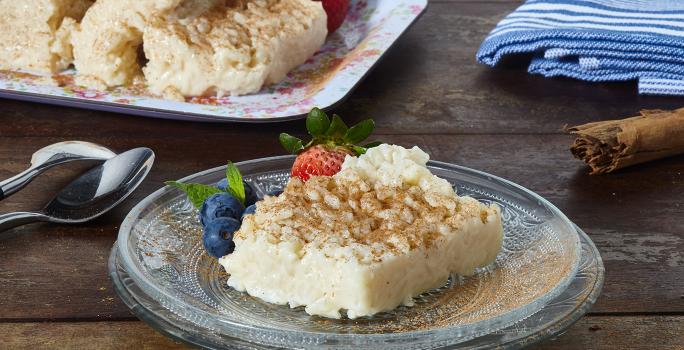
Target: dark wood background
{"points": [[428, 91]]}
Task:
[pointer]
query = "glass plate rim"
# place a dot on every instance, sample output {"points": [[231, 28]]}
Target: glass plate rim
{"points": [[437, 334]]}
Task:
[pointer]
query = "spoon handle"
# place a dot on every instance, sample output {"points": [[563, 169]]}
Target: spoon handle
{"points": [[17, 182], [11, 220]]}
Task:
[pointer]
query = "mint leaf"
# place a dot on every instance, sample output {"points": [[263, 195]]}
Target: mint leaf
{"points": [[359, 132], [337, 128], [197, 193], [291, 144], [317, 122], [373, 144], [236, 187]]}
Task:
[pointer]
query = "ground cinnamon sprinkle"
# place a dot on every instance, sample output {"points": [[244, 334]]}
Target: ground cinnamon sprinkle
{"points": [[348, 212], [483, 216]]}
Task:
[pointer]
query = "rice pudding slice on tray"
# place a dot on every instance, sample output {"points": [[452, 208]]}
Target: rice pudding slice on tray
{"points": [[35, 35], [233, 49], [366, 240], [196, 47], [106, 45]]}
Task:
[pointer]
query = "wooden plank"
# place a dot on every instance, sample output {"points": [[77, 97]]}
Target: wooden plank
{"points": [[606, 332], [84, 335], [637, 332], [634, 216], [429, 82]]}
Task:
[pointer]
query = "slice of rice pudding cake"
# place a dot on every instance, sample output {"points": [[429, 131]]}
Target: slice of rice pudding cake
{"points": [[366, 240]]}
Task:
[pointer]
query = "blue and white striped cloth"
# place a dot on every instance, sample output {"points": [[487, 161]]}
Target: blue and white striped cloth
{"points": [[597, 40]]}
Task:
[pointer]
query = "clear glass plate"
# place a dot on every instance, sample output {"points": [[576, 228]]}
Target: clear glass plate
{"points": [[161, 251], [554, 318]]}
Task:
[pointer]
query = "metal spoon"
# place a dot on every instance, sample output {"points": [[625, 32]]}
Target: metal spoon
{"points": [[55, 154], [93, 194]]}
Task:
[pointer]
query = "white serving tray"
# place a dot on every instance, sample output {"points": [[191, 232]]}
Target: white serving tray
{"points": [[371, 27]]}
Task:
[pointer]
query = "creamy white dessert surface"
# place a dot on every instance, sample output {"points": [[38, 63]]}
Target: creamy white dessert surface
{"points": [[179, 48], [232, 50], [36, 35], [107, 42], [396, 166], [366, 240]]}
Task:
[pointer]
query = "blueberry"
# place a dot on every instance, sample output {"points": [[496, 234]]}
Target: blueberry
{"points": [[218, 236], [250, 210], [222, 185], [220, 205], [274, 193], [250, 194]]}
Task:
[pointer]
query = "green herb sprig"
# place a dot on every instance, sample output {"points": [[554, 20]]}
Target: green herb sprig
{"points": [[198, 193]]}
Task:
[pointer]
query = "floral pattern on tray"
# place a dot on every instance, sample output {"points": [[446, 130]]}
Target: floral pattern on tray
{"points": [[325, 79]]}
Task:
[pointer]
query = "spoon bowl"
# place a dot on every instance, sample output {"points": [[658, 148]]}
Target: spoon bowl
{"points": [[92, 194], [70, 150], [53, 155]]}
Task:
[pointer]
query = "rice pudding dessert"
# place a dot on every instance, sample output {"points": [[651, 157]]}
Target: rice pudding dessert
{"points": [[178, 48], [35, 35], [196, 47], [233, 49], [366, 240]]}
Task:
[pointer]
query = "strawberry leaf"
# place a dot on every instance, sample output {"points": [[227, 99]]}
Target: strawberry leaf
{"points": [[337, 128], [373, 144], [291, 144], [197, 193], [359, 132], [317, 122], [236, 187], [359, 150]]}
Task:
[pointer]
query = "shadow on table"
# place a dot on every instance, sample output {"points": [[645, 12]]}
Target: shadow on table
{"points": [[644, 190]]}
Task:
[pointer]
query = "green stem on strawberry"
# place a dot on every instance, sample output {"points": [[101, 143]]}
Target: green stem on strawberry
{"points": [[332, 140], [331, 133]]}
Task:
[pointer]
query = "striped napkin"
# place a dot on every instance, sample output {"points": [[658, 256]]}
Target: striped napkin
{"points": [[597, 40]]}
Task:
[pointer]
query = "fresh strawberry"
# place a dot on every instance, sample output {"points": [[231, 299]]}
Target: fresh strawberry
{"points": [[319, 160], [337, 11], [332, 142]]}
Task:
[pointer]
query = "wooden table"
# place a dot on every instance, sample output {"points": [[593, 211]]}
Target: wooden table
{"points": [[428, 91]]}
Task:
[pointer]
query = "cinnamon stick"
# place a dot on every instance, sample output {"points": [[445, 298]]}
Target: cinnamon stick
{"points": [[615, 144]]}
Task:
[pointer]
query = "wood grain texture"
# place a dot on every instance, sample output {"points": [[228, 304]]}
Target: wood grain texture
{"points": [[591, 333], [84, 335]]}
